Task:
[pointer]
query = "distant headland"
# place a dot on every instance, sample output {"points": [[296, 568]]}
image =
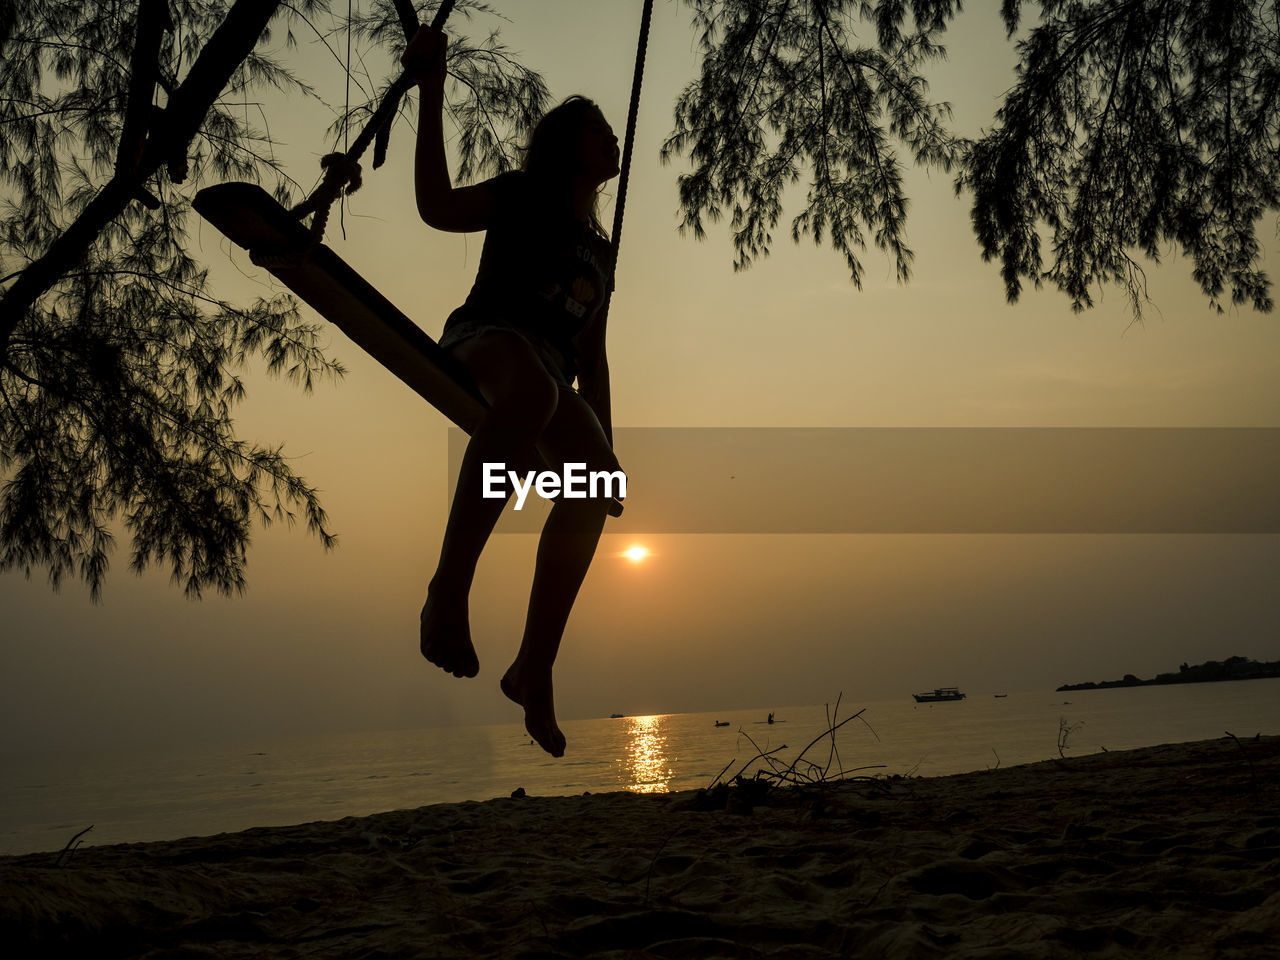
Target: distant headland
{"points": [[1211, 671]]}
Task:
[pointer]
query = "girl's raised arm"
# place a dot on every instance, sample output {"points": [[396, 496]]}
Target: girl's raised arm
{"points": [[440, 204]]}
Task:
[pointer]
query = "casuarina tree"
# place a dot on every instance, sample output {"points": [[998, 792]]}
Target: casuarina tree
{"points": [[1134, 127], [119, 366], [829, 90]]}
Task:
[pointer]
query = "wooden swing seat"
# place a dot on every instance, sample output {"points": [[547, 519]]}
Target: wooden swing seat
{"points": [[251, 218]]}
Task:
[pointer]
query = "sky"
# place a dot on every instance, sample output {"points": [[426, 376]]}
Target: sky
{"points": [[327, 641]]}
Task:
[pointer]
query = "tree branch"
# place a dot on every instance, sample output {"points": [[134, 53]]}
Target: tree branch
{"points": [[144, 70], [227, 48], [408, 17]]}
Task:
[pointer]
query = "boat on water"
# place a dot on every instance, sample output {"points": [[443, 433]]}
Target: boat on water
{"points": [[939, 695], [616, 716], [722, 723]]}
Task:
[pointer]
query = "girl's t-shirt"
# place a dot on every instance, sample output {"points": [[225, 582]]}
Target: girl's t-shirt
{"points": [[541, 269]]}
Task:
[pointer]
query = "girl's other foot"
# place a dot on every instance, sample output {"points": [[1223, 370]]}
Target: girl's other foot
{"points": [[445, 633], [531, 689]]}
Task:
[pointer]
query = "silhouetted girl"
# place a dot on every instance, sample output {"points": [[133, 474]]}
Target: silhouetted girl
{"points": [[529, 327]]}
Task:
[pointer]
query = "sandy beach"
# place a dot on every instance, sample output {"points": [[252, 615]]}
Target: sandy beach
{"points": [[1169, 851]]}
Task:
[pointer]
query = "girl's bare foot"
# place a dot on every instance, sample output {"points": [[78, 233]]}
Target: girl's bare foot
{"points": [[445, 633], [531, 688]]}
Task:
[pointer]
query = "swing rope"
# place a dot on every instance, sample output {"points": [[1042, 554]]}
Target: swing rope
{"points": [[342, 170], [624, 174]]}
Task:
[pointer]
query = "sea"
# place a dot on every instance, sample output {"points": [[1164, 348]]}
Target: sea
{"points": [[158, 794]]}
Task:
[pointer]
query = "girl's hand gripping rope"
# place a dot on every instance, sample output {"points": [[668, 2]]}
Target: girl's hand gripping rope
{"points": [[424, 57]]}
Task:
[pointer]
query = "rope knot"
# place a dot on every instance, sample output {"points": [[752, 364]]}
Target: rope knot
{"points": [[341, 170]]}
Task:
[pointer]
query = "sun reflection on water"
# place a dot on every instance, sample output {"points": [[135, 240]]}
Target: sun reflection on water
{"points": [[645, 765]]}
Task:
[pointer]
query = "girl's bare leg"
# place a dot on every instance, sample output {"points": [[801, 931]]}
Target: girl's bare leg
{"points": [[522, 400], [565, 550], [568, 543]]}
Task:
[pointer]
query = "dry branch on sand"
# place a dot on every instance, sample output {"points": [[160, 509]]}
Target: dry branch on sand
{"points": [[741, 792]]}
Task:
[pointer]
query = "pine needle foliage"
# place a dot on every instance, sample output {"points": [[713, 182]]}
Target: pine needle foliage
{"points": [[1135, 126], [120, 368], [783, 91]]}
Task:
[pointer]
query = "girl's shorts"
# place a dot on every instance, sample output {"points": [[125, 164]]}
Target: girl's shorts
{"points": [[553, 361]]}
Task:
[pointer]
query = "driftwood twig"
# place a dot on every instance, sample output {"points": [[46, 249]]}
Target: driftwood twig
{"points": [[71, 845], [1253, 773]]}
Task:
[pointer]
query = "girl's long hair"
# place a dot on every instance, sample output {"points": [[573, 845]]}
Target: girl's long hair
{"points": [[552, 152]]}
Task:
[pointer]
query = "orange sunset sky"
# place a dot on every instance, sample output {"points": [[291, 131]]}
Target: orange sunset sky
{"points": [[328, 641]]}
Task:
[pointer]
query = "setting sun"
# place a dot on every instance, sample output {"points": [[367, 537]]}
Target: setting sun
{"points": [[635, 554]]}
